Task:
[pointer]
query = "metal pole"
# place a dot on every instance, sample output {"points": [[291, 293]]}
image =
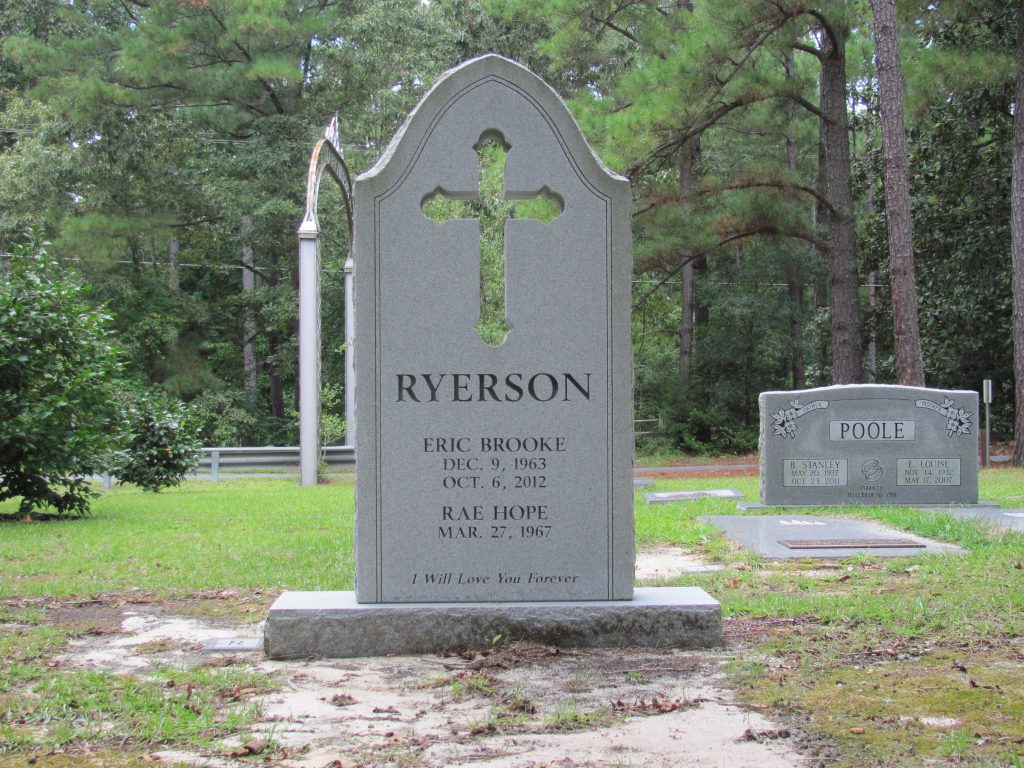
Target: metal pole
{"points": [[309, 352], [986, 396], [350, 369]]}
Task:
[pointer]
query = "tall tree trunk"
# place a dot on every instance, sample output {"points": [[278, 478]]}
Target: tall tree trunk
{"points": [[842, 253], [869, 209], [907, 336], [172, 264], [796, 322], [819, 215], [273, 343], [685, 327], [689, 167], [872, 361], [794, 278], [276, 383], [251, 366], [1017, 247]]}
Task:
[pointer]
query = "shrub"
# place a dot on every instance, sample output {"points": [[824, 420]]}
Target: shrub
{"points": [[58, 364], [159, 448]]}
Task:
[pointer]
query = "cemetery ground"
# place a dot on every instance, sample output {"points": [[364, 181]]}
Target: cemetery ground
{"points": [[862, 662]]}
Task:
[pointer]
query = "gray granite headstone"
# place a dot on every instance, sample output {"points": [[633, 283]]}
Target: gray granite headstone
{"points": [[869, 444], [493, 472], [494, 491]]}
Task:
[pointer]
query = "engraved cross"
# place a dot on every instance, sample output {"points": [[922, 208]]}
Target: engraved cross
{"points": [[492, 206]]}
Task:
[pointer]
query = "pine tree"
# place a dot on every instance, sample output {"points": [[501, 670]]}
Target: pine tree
{"points": [[909, 361]]}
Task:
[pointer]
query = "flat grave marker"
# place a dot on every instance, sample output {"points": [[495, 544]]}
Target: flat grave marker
{"points": [[790, 536], [868, 444]]}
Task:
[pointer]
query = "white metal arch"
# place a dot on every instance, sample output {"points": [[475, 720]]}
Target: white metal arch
{"points": [[327, 156]]}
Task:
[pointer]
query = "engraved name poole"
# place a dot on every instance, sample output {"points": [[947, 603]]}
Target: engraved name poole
{"points": [[482, 387]]}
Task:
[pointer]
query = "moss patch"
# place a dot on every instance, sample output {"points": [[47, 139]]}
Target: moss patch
{"points": [[944, 708]]}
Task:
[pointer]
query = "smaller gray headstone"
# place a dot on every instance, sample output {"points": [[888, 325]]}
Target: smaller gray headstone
{"points": [[670, 496], [869, 444], [766, 535], [642, 482]]}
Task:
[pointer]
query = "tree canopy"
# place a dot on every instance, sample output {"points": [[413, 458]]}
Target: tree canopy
{"points": [[161, 146]]}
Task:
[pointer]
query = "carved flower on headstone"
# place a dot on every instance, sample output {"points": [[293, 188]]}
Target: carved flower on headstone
{"points": [[959, 422], [784, 422]]}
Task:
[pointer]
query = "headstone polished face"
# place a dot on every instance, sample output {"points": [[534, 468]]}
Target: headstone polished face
{"points": [[869, 444], [493, 470]]}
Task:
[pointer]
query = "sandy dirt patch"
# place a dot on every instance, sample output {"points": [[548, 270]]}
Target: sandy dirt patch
{"points": [[523, 706], [668, 562]]}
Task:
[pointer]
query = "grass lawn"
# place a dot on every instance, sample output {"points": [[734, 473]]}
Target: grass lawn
{"points": [[866, 655], [246, 534]]}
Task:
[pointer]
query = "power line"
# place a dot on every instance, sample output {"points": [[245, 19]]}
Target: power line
{"points": [[254, 267]]}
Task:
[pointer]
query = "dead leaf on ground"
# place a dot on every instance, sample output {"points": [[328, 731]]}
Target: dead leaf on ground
{"points": [[995, 688], [655, 706], [517, 654], [254, 747], [481, 728], [342, 700], [515, 703], [770, 734]]}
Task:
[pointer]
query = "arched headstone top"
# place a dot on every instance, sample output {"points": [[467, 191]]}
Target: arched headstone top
{"points": [[480, 81]]}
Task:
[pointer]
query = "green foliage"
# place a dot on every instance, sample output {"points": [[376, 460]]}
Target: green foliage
{"points": [[959, 141], [129, 131], [160, 446], [228, 417], [58, 417]]}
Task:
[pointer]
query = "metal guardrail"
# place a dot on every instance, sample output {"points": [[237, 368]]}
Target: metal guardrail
{"points": [[637, 423], [269, 457]]}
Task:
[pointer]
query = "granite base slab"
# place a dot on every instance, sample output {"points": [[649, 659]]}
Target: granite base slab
{"points": [[334, 625]]}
